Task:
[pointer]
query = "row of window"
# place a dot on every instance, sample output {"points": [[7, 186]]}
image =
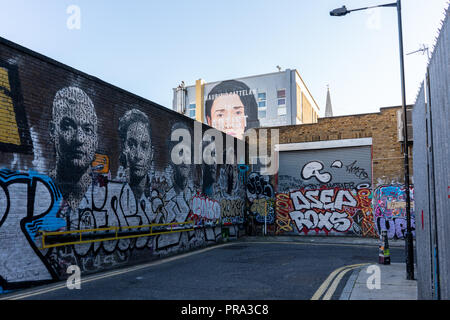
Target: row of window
{"points": [[262, 105], [191, 110], [281, 103]]}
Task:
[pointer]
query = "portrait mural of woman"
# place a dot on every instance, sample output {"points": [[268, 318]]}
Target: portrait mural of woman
{"points": [[231, 107]]}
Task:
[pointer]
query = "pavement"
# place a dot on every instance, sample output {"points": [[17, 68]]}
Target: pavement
{"points": [[362, 283], [392, 285]]}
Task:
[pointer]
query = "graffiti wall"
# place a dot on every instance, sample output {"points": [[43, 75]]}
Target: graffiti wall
{"points": [[88, 176], [390, 210], [325, 192]]}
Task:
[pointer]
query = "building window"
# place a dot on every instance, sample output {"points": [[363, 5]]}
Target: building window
{"points": [[262, 105], [281, 101], [191, 110]]}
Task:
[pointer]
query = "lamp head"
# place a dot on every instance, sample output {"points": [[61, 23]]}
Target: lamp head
{"points": [[339, 12]]}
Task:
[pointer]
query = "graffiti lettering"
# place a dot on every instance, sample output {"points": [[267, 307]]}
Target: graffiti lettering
{"points": [[311, 200], [263, 210], [313, 169], [395, 227], [357, 171], [390, 209], [323, 210], [205, 210], [258, 186], [327, 221], [232, 211]]}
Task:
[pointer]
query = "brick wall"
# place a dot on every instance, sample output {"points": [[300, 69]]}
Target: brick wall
{"points": [[81, 154], [378, 206], [388, 157]]}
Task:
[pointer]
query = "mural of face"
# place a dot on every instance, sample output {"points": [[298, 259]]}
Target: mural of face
{"points": [[74, 131], [183, 168], [227, 115], [138, 150]]}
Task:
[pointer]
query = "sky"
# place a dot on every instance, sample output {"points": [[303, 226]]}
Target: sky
{"points": [[148, 47]]}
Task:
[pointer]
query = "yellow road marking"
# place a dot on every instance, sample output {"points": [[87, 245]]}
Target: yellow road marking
{"points": [[335, 283], [316, 296], [325, 284]]}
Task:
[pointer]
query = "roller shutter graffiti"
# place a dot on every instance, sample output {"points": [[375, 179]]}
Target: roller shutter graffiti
{"points": [[325, 191]]}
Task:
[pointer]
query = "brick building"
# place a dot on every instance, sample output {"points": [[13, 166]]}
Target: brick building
{"points": [[341, 176], [272, 99]]}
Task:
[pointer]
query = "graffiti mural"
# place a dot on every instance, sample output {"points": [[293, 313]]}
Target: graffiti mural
{"points": [[259, 186], [14, 134], [109, 194], [390, 210], [325, 210], [283, 206], [313, 169], [326, 191], [260, 201], [20, 222], [263, 210], [232, 211]]}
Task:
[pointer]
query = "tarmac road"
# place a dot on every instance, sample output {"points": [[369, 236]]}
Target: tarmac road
{"points": [[240, 270]]}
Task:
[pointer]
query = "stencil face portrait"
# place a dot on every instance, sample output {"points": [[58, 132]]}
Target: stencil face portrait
{"points": [[136, 156], [231, 108], [183, 171], [74, 131]]}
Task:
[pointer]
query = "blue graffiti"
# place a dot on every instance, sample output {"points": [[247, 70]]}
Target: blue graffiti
{"points": [[242, 170], [47, 221], [269, 219]]}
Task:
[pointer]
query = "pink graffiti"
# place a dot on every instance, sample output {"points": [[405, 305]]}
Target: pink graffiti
{"points": [[205, 210]]}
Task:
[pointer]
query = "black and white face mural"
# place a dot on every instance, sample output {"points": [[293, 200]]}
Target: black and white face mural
{"points": [[112, 174], [183, 172], [74, 133], [137, 151]]}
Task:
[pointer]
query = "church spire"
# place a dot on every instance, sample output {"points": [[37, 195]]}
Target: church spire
{"points": [[328, 109]]}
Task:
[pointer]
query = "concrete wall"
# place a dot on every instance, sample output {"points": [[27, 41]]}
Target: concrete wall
{"points": [[372, 179], [80, 154]]}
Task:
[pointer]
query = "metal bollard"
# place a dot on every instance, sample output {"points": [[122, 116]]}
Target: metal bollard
{"points": [[384, 255]]}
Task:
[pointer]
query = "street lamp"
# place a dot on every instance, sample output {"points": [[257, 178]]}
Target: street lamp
{"points": [[408, 236]]}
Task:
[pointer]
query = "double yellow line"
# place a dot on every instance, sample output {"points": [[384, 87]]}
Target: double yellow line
{"points": [[337, 275]]}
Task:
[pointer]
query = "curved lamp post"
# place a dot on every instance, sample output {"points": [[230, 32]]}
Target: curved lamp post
{"points": [[409, 247]]}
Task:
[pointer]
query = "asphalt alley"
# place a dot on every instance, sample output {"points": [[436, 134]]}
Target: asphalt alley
{"points": [[233, 271]]}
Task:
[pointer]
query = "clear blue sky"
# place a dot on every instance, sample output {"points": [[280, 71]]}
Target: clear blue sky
{"points": [[147, 47]]}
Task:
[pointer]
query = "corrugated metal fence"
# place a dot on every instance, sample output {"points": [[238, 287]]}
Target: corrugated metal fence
{"points": [[431, 154]]}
